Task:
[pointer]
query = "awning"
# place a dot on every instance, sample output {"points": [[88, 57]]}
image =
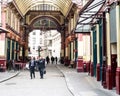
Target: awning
{"points": [[2, 30], [92, 11]]}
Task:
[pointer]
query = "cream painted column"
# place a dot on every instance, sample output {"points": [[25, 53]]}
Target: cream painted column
{"points": [[0, 13], [118, 33], [26, 52], [6, 45], [20, 51], [118, 47], [109, 67], [10, 49], [108, 38], [15, 49], [98, 44], [62, 52], [72, 51], [98, 52], [91, 34], [69, 51], [91, 64], [66, 51], [18, 54]]}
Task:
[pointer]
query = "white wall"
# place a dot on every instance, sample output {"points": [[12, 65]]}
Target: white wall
{"points": [[55, 48]]}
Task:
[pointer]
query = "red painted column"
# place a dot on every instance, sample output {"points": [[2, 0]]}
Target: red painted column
{"points": [[114, 66], [91, 69], [118, 80], [84, 66], [108, 51], [104, 52], [109, 78], [98, 72], [104, 75], [118, 46], [88, 68], [79, 64], [3, 64]]}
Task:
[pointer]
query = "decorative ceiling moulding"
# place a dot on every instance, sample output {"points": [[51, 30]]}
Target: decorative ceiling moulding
{"points": [[45, 16], [26, 5]]}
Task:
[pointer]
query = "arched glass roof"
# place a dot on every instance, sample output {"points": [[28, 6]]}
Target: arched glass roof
{"points": [[25, 5]]}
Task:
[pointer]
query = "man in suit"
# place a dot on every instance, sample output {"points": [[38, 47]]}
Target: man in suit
{"points": [[32, 65], [41, 66]]}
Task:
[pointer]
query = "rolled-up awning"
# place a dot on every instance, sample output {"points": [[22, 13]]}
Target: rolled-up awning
{"points": [[86, 16]]}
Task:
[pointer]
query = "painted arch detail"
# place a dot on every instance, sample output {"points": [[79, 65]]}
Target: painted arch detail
{"points": [[45, 22]]}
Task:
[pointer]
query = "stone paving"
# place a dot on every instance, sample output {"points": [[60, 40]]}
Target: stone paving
{"points": [[8, 75], [80, 84], [53, 84]]}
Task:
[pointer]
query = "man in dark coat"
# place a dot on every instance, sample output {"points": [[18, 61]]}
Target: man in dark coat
{"points": [[56, 59], [32, 65], [41, 66], [52, 59], [47, 59]]}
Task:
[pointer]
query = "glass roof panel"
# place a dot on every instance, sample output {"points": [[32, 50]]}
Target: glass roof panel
{"points": [[85, 19], [25, 5]]}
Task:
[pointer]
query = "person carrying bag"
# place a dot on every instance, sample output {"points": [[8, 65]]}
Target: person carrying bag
{"points": [[44, 71], [32, 65], [41, 67]]}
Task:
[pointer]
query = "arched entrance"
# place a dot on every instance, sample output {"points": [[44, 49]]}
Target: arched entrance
{"points": [[47, 37]]}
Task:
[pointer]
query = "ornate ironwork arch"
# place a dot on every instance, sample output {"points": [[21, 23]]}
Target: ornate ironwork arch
{"points": [[45, 23]]}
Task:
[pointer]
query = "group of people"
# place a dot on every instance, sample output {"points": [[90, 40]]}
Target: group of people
{"points": [[40, 63], [52, 59]]}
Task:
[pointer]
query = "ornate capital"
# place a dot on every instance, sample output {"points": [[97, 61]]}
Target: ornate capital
{"points": [[117, 2], [107, 7]]}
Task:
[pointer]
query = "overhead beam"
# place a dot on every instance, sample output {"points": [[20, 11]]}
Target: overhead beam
{"points": [[95, 5]]}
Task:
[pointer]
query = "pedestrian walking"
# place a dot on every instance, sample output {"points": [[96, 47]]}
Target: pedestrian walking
{"points": [[52, 59], [47, 59], [41, 67], [56, 59], [32, 65]]}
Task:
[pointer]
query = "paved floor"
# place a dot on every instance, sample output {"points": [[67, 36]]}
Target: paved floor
{"points": [[8, 75], [53, 84], [79, 84]]}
